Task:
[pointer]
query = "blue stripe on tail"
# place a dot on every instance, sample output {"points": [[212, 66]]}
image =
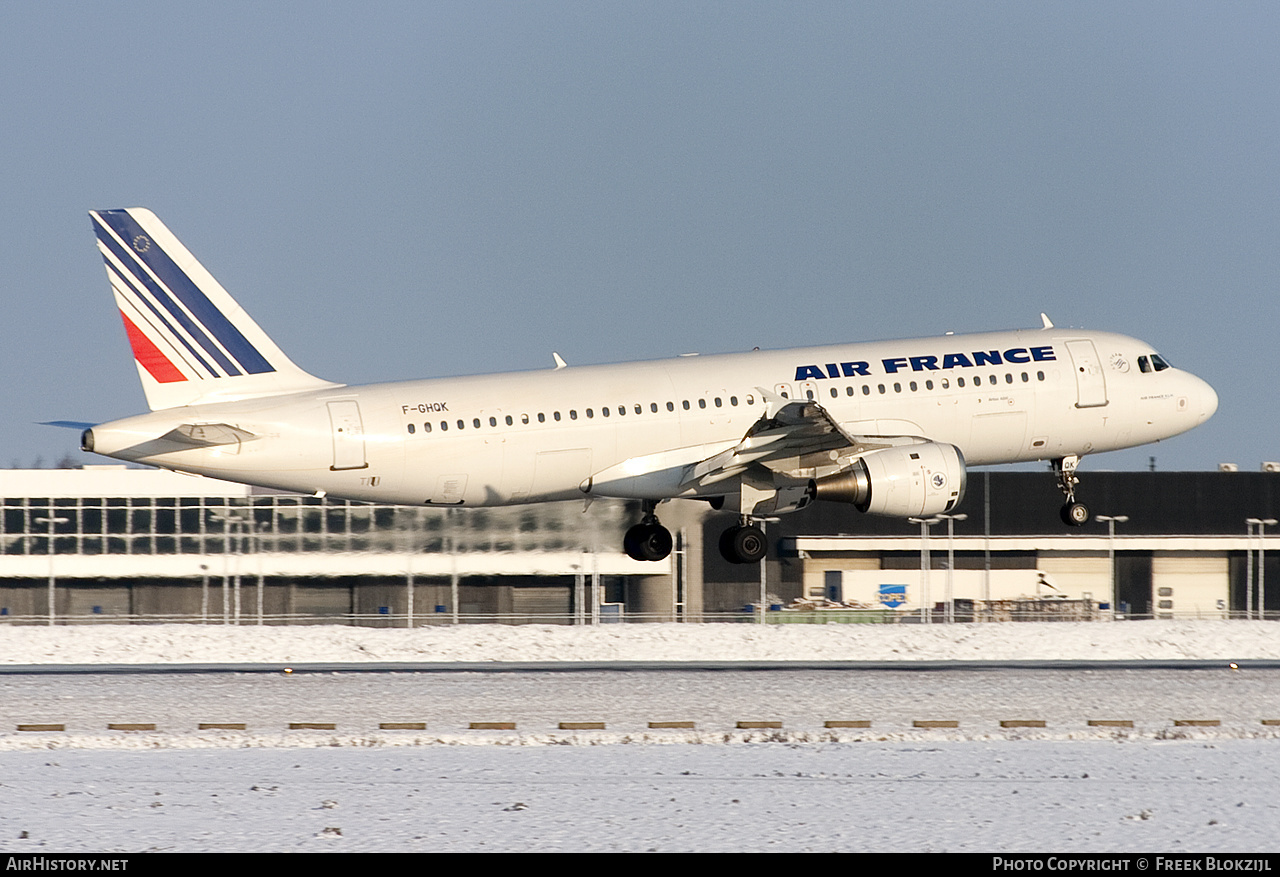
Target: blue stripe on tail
{"points": [[142, 248]]}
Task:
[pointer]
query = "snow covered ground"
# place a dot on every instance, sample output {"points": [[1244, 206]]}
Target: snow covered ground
{"points": [[1066, 787], [196, 644], [1085, 796]]}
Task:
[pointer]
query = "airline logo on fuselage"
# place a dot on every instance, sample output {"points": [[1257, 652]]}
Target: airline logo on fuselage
{"points": [[973, 359]]}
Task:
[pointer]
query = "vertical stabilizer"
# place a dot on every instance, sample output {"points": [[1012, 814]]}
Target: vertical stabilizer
{"points": [[191, 341]]}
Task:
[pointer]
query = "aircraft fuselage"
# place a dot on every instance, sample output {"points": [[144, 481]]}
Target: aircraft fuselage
{"points": [[1002, 397]]}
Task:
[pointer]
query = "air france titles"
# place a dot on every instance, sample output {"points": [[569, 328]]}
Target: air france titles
{"points": [[1012, 356]]}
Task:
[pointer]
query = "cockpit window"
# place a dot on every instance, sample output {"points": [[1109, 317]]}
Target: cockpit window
{"points": [[1144, 364], [1158, 361]]}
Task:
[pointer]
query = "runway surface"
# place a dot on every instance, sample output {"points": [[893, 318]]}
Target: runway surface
{"points": [[1156, 785], [978, 699]]}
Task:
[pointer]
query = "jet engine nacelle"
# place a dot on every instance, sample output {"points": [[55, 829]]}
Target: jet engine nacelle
{"points": [[904, 482]]}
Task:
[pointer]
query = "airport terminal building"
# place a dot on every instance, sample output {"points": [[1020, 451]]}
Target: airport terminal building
{"points": [[111, 543]]}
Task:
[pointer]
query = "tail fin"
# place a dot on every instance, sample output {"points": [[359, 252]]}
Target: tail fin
{"points": [[192, 342]]}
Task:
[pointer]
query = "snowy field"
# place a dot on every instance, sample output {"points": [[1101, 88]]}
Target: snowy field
{"points": [[1081, 641], [1066, 787], [1088, 796]]}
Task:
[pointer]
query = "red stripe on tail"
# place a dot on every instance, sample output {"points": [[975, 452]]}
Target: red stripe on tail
{"points": [[146, 353]]}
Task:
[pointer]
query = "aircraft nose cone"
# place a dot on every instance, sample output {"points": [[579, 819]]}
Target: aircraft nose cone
{"points": [[1208, 401]]}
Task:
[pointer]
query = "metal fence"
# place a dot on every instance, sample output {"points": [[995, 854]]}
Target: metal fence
{"points": [[748, 615]]}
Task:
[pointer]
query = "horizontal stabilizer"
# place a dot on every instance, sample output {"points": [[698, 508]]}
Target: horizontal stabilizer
{"points": [[67, 424]]}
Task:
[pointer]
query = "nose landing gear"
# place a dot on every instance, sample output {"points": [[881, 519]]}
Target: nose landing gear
{"points": [[1073, 513]]}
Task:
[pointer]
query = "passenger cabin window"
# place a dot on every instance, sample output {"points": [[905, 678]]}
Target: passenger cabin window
{"points": [[411, 429]]}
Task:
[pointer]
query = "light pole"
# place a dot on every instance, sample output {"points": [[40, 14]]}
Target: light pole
{"points": [[233, 524], [51, 520], [926, 614], [764, 585], [1260, 523], [1111, 521], [951, 563]]}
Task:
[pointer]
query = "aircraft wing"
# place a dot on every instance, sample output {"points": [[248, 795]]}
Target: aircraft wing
{"points": [[793, 438], [792, 435]]}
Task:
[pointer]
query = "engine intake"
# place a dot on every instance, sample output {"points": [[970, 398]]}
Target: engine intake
{"points": [[902, 482]]}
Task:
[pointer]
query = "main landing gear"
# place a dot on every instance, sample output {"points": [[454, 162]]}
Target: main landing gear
{"points": [[744, 543], [1073, 513], [648, 540]]}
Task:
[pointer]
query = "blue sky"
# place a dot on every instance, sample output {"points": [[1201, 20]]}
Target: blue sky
{"points": [[400, 190]]}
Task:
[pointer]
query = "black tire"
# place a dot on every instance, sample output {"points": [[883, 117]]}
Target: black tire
{"points": [[726, 545], [631, 542], [746, 544], [1075, 514], [649, 542]]}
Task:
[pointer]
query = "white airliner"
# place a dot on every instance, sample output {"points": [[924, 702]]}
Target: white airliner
{"points": [[887, 427]]}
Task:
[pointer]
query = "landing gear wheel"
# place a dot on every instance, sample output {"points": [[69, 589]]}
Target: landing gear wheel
{"points": [[743, 544], [1075, 514], [650, 541]]}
